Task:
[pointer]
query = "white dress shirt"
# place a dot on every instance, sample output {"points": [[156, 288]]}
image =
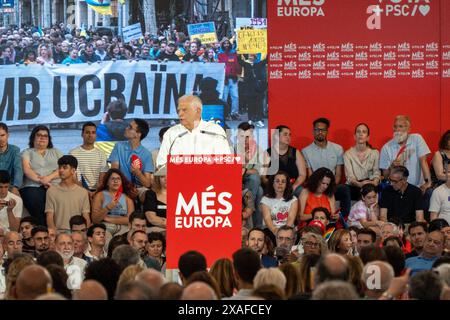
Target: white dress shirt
{"points": [[207, 138]]}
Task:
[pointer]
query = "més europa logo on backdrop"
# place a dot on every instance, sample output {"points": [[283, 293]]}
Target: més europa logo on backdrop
{"points": [[300, 8], [207, 209]]}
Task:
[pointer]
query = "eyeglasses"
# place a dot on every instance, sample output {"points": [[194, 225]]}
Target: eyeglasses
{"points": [[311, 244], [320, 130], [115, 179], [40, 135], [392, 181]]}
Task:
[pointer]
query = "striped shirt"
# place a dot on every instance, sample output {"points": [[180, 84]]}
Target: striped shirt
{"points": [[90, 164]]}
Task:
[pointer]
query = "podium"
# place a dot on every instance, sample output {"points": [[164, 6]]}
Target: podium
{"points": [[204, 206]]}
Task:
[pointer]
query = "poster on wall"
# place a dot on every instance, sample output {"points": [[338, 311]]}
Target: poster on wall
{"points": [[358, 61]]}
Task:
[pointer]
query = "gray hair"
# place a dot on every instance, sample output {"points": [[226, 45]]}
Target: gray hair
{"points": [[323, 244], [335, 290], [125, 255], [270, 276], [444, 272]]}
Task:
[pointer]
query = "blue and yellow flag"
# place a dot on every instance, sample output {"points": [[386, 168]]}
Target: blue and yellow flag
{"points": [[100, 6]]}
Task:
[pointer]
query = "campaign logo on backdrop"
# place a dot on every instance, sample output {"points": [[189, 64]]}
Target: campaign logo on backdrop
{"points": [[300, 8], [396, 8]]}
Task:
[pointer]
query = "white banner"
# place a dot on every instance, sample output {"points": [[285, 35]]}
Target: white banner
{"points": [[253, 23], [132, 32], [36, 94]]}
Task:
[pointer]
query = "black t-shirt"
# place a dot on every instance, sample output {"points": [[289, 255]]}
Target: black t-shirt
{"points": [[402, 207], [151, 203], [287, 161]]}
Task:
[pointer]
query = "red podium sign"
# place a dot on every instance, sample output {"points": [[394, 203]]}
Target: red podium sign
{"points": [[204, 206]]}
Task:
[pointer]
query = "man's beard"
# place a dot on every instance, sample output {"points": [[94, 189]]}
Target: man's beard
{"points": [[67, 256], [400, 137]]}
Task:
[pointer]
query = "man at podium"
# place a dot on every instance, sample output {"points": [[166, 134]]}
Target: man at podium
{"points": [[193, 135]]}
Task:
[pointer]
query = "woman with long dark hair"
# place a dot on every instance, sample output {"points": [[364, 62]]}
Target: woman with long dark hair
{"points": [[113, 202], [279, 206], [319, 192], [40, 168]]}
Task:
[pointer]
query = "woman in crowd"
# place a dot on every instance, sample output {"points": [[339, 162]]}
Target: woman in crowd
{"points": [[209, 55], [279, 206], [72, 58], [313, 243], [365, 212], [223, 271], [292, 274], [307, 272], [319, 192], [155, 203], [113, 202], [40, 168], [341, 242], [29, 58], [361, 162], [289, 159], [156, 248], [441, 158], [44, 55], [115, 52]]}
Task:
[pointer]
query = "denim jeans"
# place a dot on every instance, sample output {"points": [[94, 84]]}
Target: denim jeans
{"points": [[232, 89]]}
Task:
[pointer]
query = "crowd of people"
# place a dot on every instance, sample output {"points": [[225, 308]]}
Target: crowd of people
{"points": [[59, 45], [316, 222], [94, 222]]}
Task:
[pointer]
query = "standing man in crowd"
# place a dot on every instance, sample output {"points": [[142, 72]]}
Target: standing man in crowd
{"points": [[91, 161], [132, 158], [67, 199], [232, 71]]}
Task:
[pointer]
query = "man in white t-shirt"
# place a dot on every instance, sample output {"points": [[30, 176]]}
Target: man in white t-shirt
{"points": [[440, 200], [11, 206]]}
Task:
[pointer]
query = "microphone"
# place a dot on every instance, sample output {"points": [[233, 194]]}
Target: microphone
{"points": [[178, 136], [213, 134]]}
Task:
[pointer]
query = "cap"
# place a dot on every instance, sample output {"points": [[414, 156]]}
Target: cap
{"points": [[318, 223]]}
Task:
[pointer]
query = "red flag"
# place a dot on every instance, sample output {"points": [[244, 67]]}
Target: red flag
{"points": [[118, 193], [136, 161]]}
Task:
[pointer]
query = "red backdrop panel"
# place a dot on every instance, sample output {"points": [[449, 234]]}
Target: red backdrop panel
{"points": [[304, 93]]}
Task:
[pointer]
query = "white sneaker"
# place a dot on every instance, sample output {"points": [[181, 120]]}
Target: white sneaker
{"points": [[260, 124]]}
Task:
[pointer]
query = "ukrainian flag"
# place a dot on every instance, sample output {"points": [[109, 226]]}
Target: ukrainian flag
{"points": [[100, 6]]}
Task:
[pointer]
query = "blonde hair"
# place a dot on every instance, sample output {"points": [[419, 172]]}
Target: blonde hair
{"points": [[13, 272], [129, 274], [270, 276], [335, 239]]}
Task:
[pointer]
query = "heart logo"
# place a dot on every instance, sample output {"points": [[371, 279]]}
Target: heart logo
{"points": [[238, 159], [424, 9], [282, 216]]}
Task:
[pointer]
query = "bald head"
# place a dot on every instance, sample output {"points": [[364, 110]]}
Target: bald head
{"points": [[198, 291], [189, 111], [12, 242], [91, 290], [333, 266], [154, 279], [32, 282], [376, 277]]}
